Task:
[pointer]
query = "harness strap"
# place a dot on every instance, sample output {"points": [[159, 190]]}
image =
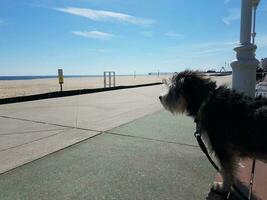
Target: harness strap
{"points": [[201, 144], [204, 149]]}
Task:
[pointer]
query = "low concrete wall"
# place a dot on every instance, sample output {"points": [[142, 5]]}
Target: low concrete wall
{"points": [[68, 93]]}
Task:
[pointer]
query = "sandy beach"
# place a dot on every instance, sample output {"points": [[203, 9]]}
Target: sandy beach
{"points": [[14, 88]]}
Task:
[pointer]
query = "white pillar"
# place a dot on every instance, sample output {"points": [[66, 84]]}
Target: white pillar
{"points": [[244, 67], [246, 21]]}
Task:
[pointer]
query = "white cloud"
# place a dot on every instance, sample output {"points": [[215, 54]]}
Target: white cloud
{"points": [[209, 52], [174, 34], [208, 45], [213, 49], [226, 1], [234, 14], [217, 47], [102, 15], [93, 34], [219, 51]]}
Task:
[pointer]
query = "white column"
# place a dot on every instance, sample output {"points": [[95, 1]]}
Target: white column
{"points": [[244, 67], [246, 21]]}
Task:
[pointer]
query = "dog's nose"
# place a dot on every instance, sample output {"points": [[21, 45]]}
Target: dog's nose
{"points": [[160, 97]]}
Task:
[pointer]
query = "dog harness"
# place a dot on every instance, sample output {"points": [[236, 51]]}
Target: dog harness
{"points": [[202, 146]]}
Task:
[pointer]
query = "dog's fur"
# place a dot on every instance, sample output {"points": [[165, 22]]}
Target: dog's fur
{"points": [[235, 125]]}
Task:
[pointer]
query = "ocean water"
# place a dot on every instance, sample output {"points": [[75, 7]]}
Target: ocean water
{"points": [[6, 78]]}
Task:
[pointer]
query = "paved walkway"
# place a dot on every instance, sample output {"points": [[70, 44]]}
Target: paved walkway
{"points": [[112, 145], [154, 157], [128, 148], [31, 130]]}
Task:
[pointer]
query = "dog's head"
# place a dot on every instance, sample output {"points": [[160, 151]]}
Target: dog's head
{"points": [[185, 91], [173, 99]]}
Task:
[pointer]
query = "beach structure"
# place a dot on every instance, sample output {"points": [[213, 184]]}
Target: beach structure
{"points": [[244, 67], [60, 78], [111, 75]]}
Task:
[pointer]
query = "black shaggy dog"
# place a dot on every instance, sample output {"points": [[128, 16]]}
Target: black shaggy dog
{"points": [[233, 124]]}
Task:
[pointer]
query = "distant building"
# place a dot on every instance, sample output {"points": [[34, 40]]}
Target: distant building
{"points": [[263, 64], [211, 71]]}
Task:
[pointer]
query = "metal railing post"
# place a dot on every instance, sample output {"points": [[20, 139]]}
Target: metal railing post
{"points": [[109, 79], [114, 82], [105, 80]]}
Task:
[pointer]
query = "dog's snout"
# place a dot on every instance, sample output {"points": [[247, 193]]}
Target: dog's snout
{"points": [[160, 97]]}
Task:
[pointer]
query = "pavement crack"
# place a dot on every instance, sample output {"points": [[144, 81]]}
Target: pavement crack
{"points": [[54, 152], [47, 123], [27, 132], [151, 139], [32, 141]]}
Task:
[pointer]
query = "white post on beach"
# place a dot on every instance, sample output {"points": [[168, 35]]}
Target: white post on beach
{"points": [[110, 75], [109, 79], [60, 78], [105, 79], [244, 67], [114, 81]]}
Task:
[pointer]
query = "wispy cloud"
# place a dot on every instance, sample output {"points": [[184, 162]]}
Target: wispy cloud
{"points": [[234, 14], [106, 16], [226, 1], [210, 48], [93, 34], [209, 45], [210, 52], [200, 50], [174, 34]]}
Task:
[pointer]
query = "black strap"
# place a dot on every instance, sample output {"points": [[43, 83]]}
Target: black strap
{"points": [[204, 149], [201, 144]]}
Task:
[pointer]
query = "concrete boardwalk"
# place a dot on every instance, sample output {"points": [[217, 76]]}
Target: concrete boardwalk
{"points": [[111, 145], [31, 130], [153, 157]]}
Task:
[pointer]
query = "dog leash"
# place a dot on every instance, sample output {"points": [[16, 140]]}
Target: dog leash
{"points": [[252, 178], [201, 144]]}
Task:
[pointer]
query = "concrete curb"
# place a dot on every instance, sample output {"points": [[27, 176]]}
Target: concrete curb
{"points": [[68, 93]]}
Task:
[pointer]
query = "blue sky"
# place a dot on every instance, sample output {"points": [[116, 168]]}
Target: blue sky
{"points": [[90, 36]]}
